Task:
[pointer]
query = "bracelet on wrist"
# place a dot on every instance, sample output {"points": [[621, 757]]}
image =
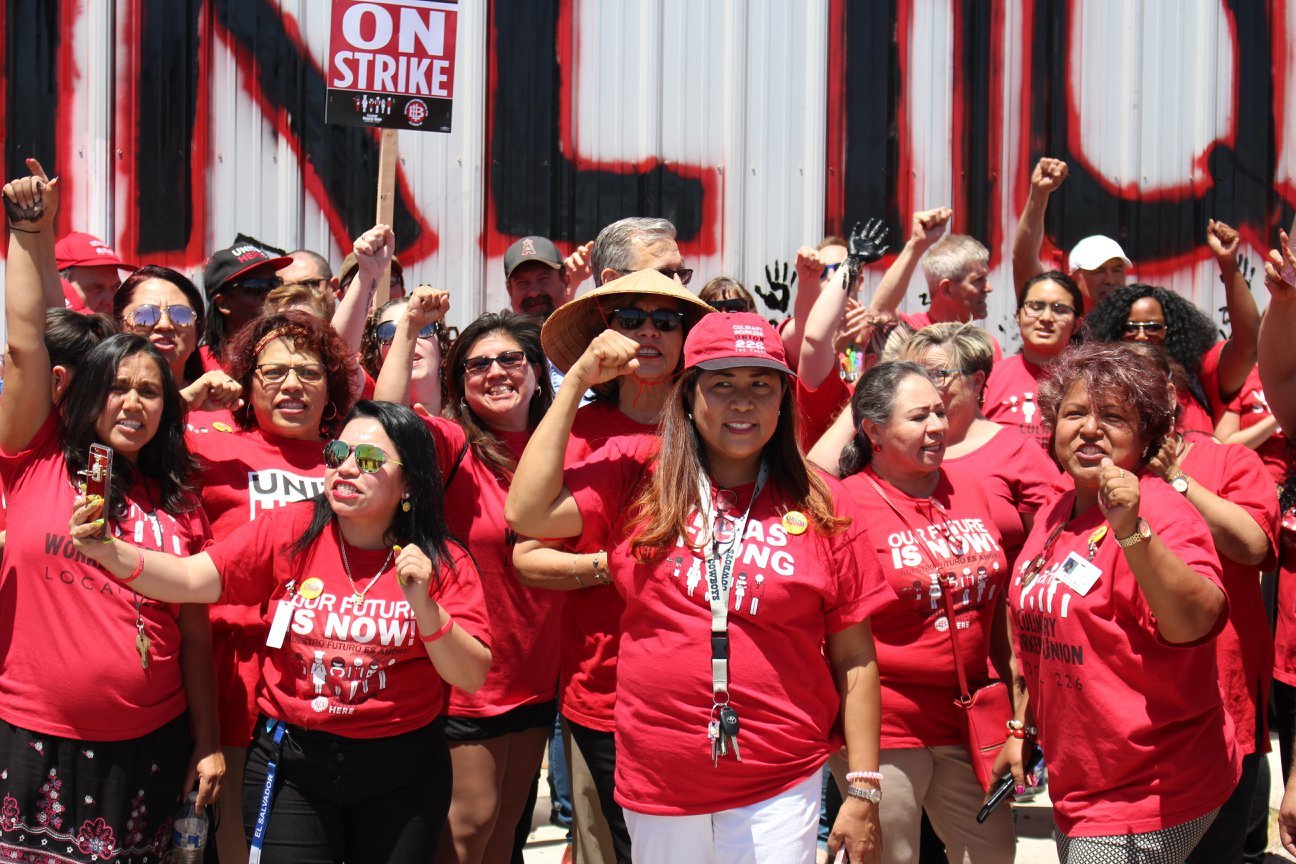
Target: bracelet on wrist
{"points": [[865, 793], [857, 776], [139, 568], [574, 574], [445, 628]]}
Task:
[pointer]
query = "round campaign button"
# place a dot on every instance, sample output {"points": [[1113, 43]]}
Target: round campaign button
{"points": [[311, 588], [795, 522]]}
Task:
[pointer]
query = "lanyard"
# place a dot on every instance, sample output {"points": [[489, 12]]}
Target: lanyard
{"points": [[267, 792], [720, 564]]}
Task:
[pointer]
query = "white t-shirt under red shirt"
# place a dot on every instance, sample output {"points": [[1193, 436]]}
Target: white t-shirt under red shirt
{"points": [[357, 674], [1135, 731], [790, 592], [949, 536], [68, 662]]}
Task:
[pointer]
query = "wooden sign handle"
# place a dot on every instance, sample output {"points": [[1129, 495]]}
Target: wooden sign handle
{"points": [[386, 205]]}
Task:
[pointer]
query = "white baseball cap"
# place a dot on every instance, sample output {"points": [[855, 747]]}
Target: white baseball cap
{"points": [[1094, 251]]}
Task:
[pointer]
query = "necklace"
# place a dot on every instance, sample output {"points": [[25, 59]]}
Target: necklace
{"points": [[358, 596]]}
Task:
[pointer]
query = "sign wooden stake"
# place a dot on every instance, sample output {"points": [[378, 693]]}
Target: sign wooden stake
{"points": [[386, 205]]}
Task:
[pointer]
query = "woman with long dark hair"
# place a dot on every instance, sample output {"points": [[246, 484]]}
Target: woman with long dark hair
{"points": [[497, 389], [295, 373], [364, 586], [106, 714], [737, 564]]}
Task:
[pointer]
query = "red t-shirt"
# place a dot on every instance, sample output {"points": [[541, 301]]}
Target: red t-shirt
{"points": [[210, 362], [245, 474], [1016, 476], [362, 675], [818, 407], [523, 621], [1251, 408], [591, 625], [68, 662], [790, 592], [1012, 397], [915, 656], [1285, 631], [1136, 739], [1244, 650], [1196, 417]]}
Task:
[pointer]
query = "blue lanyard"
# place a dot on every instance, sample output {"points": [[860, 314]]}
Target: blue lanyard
{"points": [[267, 792]]}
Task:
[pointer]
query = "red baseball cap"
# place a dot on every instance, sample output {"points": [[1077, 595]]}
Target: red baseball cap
{"points": [[79, 249], [732, 340]]}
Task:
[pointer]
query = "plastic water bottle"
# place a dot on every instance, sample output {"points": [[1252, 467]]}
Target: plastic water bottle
{"points": [[189, 837]]}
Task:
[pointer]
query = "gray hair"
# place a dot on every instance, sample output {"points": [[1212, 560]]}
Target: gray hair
{"points": [[952, 257], [614, 248]]}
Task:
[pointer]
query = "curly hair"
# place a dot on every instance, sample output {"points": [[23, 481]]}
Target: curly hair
{"points": [[522, 329], [1189, 332], [306, 332], [164, 458], [1125, 373]]}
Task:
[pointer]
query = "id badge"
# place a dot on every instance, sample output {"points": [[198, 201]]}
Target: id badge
{"points": [[279, 626], [1078, 574]]}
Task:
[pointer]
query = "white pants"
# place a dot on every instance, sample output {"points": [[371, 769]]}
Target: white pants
{"points": [[778, 830]]}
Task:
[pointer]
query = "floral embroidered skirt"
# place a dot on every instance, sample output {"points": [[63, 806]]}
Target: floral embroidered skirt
{"points": [[64, 801]]}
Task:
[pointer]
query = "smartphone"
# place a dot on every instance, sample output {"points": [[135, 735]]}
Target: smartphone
{"points": [[1006, 785], [98, 479]]}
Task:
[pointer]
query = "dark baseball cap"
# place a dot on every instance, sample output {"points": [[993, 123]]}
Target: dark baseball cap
{"points": [[529, 249], [242, 259]]}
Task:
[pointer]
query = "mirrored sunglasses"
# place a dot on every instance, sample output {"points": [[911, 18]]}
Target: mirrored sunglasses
{"points": [[386, 331], [150, 315], [369, 458]]}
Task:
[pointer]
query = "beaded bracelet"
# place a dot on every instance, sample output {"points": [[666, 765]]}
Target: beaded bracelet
{"points": [[855, 776], [445, 628]]}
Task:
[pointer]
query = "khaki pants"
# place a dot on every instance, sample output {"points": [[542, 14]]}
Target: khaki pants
{"points": [[939, 779], [591, 839]]}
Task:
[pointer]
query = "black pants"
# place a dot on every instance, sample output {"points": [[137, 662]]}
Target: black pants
{"points": [[350, 800], [1223, 840], [599, 750]]}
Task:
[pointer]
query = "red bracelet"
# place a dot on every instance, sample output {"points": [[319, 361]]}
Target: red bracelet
{"points": [[445, 628], [139, 567]]}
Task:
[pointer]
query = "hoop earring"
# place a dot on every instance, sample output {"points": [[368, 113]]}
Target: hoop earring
{"points": [[327, 416]]}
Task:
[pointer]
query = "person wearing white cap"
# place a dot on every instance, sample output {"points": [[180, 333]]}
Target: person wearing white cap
{"points": [[1097, 263]]}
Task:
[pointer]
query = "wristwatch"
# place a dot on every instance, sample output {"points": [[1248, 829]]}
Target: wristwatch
{"points": [[866, 793], [1180, 483], [1141, 532]]}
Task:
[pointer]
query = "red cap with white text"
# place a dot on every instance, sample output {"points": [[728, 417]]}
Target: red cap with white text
{"points": [[733, 340]]}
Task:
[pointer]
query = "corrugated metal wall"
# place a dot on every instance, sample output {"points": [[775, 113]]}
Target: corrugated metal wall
{"points": [[757, 126]]}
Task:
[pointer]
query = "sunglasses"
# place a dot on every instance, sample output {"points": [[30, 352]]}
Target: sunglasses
{"points": [[260, 286], [277, 373], [369, 458], [829, 270], [684, 275], [737, 304], [663, 320], [1035, 308], [1132, 327], [507, 360], [386, 331], [150, 315]]}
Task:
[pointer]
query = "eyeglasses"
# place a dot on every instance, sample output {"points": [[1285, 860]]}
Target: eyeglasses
{"points": [[829, 270], [1035, 308], [663, 320], [260, 286], [737, 304], [277, 373], [941, 377], [150, 315], [386, 331], [1146, 327], [507, 360], [369, 458]]}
